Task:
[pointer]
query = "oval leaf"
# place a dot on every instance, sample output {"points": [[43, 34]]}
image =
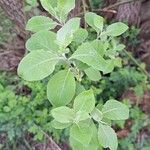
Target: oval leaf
{"points": [[57, 125], [39, 23], [116, 29], [115, 110], [107, 137], [85, 101], [61, 88], [37, 65], [63, 114], [87, 54], [93, 74], [65, 34], [42, 40]]}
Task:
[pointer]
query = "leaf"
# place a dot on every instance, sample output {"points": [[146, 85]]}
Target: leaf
{"points": [[82, 132], [44, 40], [61, 88], [57, 125], [120, 47], [95, 21], [80, 35], [63, 114], [79, 89], [87, 54], [100, 46], [49, 5], [93, 145], [65, 34], [116, 29], [37, 65], [109, 66], [93, 74], [115, 110], [80, 116], [107, 137], [39, 23], [85, 101], [97, 115], [65, 6]]}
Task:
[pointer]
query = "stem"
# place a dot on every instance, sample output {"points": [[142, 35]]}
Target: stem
{"points": [[84, 10], [27, 144], [120, 3], [54, 145], [136, 63]]}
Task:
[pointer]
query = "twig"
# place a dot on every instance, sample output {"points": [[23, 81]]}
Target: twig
{"points": [[84, 10], [27, 144], [136, 63], [120, 3], [54, 146]]}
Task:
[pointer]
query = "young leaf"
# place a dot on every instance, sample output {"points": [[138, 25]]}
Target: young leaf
{"points": [[80, 35], [37, 65], [63, 114], [82, 132], [39, 23], [97, 115], [81, 115], [115, 110], [109, 66], [87, 54], [79, 89], [107, 137], [44, 40], [65, 34], [49, 5], [93, 145], [61, 88], [100, 46], [116, 29], [85, 101], [93, 74], [95, 21], [65, 6], [57, 125]]}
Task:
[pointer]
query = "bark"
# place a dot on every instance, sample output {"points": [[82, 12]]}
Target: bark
{"points": [[129, 12], [14, 10], [76, 11]]}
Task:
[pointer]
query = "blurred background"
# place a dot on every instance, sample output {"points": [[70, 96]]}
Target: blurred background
{"points": [[24, 108]]}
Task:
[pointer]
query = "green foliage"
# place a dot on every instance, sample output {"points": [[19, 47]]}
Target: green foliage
{"points": [[80, 115]]}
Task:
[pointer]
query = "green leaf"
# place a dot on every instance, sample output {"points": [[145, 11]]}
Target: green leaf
{"points": [[109, 66], [65, 6], [79, 89], [116, 29], [93, 145], [44, 40], [37, 65], [100, 46], [82, 132], [57, 125], [85, 101], [61, 88], [97, 115], [63, 114], [39, 23], [80, 116], [87, 54], [93, 74], [107, 137], [95, 21], [80, 35], [65, 34], [120, 47], [115, 110], [49, 5]]}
